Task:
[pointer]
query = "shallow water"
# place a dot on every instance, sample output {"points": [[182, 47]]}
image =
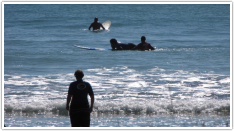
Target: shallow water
{"points": [[41, 120]]}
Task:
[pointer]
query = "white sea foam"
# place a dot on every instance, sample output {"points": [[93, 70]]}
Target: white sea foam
{"points": [[129, 91]]}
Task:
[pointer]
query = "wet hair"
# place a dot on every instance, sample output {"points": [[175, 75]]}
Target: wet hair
{"points": [[113, 41], [79, 74], [143, 38]]}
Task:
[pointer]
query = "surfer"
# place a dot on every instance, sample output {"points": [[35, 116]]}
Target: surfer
{"points": [[121, 46], [79, 109], [144, 45], [96, 24]]}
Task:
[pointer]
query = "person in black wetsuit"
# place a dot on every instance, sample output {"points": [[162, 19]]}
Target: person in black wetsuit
{"points": [[144, 45], [121, 46], [77, 101], [96, 24]]}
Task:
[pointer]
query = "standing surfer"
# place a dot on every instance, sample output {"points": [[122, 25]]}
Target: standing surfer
{"points": [[77, 101]]}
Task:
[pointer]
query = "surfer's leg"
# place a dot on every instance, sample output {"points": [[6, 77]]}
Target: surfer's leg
{"points": [[131, 45], [74, 118], [85, 119]]}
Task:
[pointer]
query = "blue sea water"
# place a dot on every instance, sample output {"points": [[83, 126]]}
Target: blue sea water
{"points": [[185, 82]]}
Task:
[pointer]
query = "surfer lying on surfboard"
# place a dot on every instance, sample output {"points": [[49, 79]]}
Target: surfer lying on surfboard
{"points": [[121, 46], [130, 46], [96, 25]]}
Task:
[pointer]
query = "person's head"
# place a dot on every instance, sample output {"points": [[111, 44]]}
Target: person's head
{"points": [[79, 74], [113, 42], [95, 19], [143, 39]]}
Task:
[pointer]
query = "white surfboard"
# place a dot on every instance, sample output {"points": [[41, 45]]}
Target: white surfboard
{"points": [[90, 48], [106, 24]]}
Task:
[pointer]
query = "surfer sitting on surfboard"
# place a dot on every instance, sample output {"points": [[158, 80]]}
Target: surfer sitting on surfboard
{"points": [[96, 25], [144, 45], [121, 46]]}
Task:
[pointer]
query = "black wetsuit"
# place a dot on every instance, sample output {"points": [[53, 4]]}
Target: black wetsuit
{"points": [[79, 108], [123, 46]]}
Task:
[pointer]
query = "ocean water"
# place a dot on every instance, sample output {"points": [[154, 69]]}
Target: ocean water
{"points": [[185, 82]]}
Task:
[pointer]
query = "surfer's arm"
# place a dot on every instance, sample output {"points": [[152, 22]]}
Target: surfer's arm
{"points": [[92, 101], [151, 47], [102, 27], [68, 101], [90, 26], [118, 47]]}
